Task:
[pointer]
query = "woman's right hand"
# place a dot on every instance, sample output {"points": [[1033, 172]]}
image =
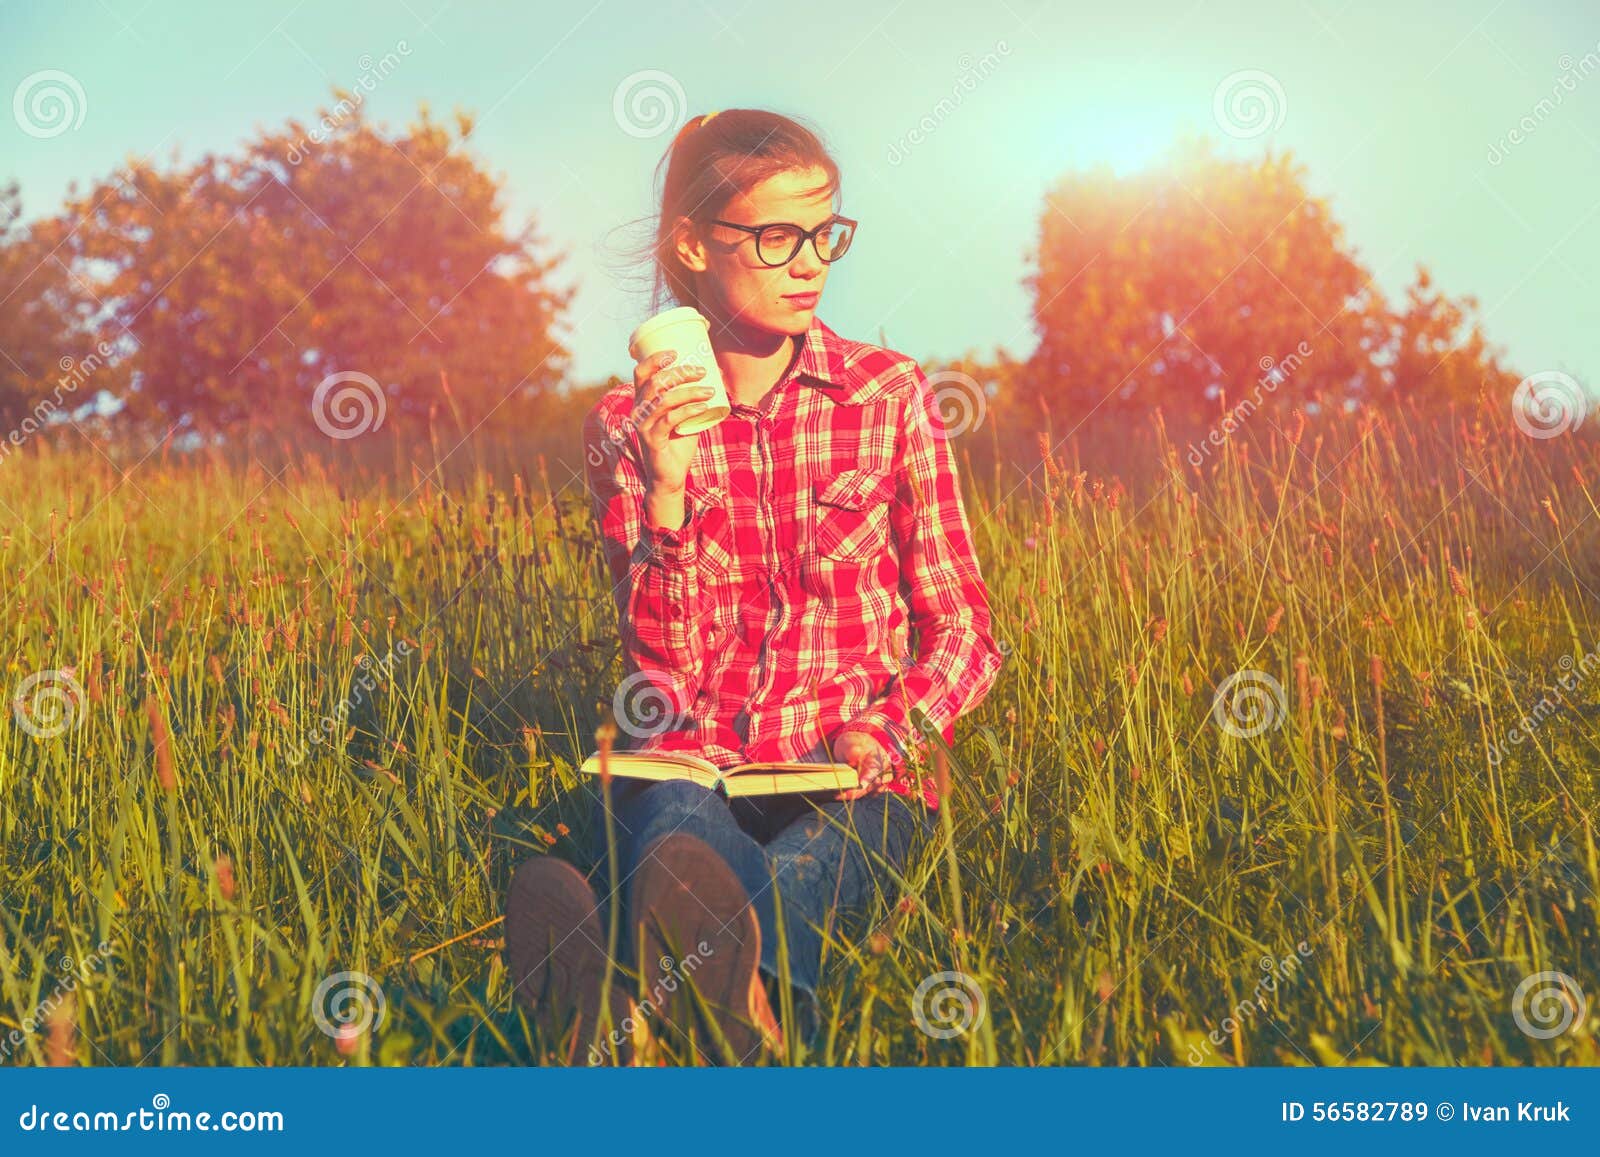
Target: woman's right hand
{"points": [[667, 454]]}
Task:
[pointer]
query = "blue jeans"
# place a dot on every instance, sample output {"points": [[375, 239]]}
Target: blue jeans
{"points": [[826, 860]]}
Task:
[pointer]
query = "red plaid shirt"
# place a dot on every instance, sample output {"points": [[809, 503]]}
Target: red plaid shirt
{"points": [[823, 526]]}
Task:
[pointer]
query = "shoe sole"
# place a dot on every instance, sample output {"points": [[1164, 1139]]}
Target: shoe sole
{"points": [[553, 952], [685, 895]]}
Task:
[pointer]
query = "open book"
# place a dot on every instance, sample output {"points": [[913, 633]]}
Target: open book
{"points": [[745, 779]]}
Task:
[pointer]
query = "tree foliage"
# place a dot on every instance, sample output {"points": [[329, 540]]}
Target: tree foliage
{"points": [[47, 359], [1208, 280], [245, 281]]}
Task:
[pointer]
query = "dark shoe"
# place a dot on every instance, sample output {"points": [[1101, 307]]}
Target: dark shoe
{"points": [[697, 934], [556, 961]]}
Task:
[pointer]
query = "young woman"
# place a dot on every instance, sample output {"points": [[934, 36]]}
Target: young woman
{"points": [[767, 573]]}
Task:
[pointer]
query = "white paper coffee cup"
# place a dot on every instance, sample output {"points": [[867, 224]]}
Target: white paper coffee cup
{"points": [[685, 331]]}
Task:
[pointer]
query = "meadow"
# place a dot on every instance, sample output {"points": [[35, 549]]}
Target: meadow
{"points": [[1293, 759]]}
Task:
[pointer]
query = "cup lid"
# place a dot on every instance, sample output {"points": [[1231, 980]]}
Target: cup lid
{"points": [[662, 320]]}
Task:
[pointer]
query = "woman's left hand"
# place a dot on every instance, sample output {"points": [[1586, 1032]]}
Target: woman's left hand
{"points": [[871, 761]]}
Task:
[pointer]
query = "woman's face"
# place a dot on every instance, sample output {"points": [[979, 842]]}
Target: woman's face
{"points": [[733, 279]]}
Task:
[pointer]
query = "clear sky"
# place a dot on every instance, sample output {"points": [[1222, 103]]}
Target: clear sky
{"points": [[1401, 111]]}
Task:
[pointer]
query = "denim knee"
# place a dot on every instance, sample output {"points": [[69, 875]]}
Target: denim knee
{"points": [[673, 806], [640, 805]]}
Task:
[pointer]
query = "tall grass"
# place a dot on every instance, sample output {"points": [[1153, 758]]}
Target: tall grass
{"points": [[1126, 857]]}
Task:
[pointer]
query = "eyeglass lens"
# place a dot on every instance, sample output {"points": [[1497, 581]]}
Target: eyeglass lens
{"points": [[779, 244]]}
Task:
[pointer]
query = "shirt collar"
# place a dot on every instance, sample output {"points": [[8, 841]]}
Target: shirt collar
{"points": [[834, 365]]}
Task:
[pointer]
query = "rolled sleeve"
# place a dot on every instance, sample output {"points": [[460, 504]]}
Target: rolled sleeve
{"points": [[675, 546]]}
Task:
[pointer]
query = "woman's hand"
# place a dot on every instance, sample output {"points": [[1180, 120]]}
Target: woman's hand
{"points": [[667, 454], [864, 753]]}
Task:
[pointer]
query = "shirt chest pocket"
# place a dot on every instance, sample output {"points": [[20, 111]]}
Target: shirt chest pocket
{"points": [[850, 520], [716, 535]]}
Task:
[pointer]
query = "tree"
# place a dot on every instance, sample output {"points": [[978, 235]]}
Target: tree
{"points": [[1210, 282], [1437, 353], [49, 365], [333, 256]]}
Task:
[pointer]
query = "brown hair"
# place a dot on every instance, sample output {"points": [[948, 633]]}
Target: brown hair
{"points": [[714, 158]]}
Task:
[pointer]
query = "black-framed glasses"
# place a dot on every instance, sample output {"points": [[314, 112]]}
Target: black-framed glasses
{"points": [[779, 243]]}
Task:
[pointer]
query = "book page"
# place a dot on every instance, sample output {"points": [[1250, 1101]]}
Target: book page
{"points": [[656, 765], [820, 777], [782, 766]]}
